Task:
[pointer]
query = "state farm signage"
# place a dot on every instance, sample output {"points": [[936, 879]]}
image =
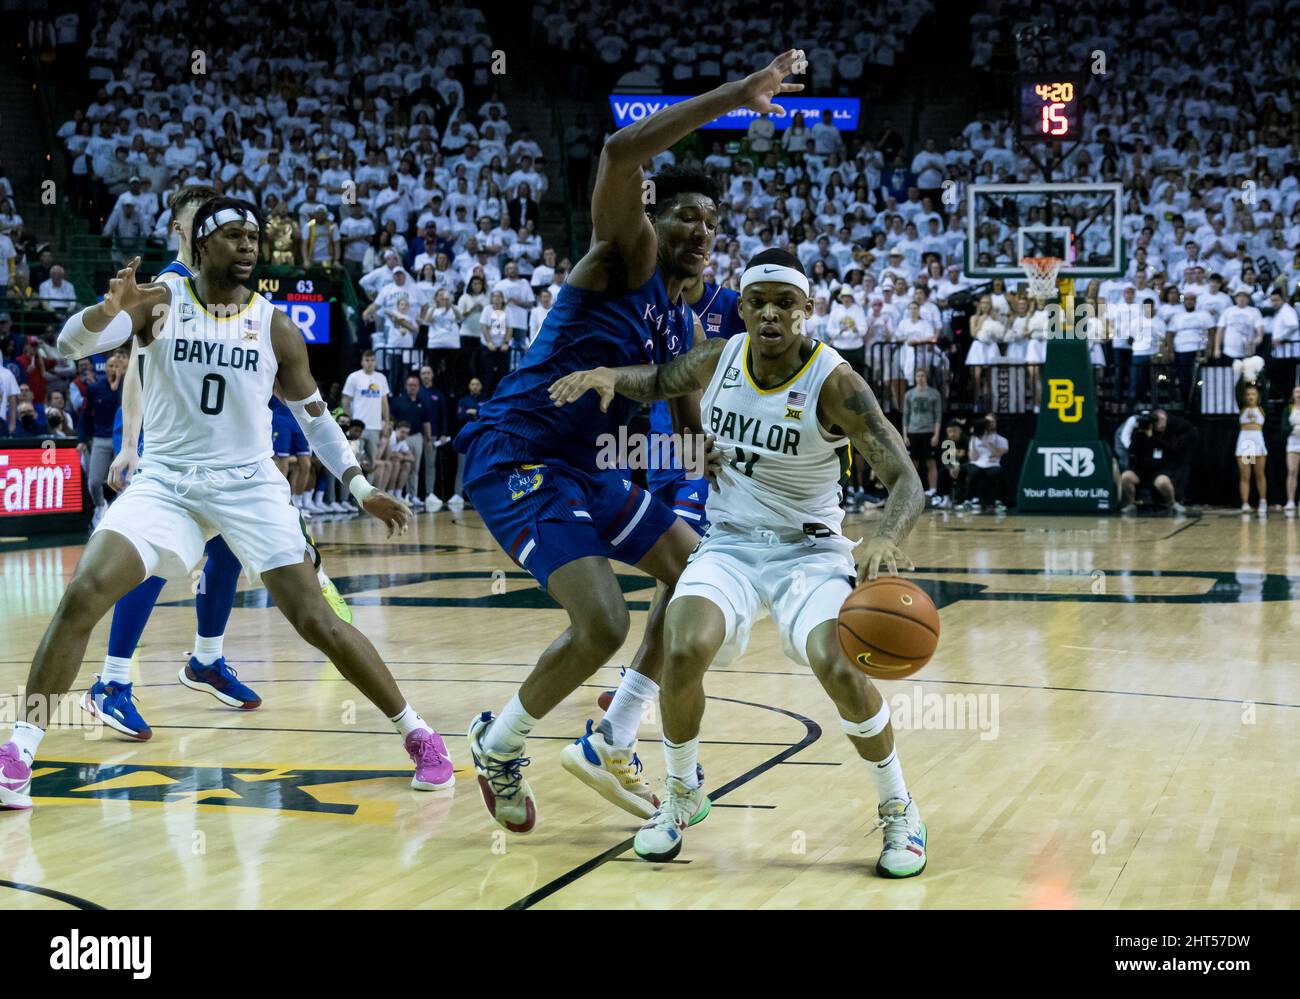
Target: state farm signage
{"points": [[39, 480]]}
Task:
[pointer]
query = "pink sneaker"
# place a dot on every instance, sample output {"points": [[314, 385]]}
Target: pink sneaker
{"points": [[433, 769], [15, 779]]}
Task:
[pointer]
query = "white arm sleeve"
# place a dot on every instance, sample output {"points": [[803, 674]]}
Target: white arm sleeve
{"points": [[75, 341], [325, 436]]}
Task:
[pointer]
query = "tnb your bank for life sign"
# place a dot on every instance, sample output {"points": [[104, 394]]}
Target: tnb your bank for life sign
{"points": [[1068, 466], [629, 108]]}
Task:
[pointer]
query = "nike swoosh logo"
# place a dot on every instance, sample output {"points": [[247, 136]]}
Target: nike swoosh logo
{"points": [[769, 270]]}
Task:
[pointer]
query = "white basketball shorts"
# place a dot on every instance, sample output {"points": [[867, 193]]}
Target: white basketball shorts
{"points": [[801, 584], [169, 514]]}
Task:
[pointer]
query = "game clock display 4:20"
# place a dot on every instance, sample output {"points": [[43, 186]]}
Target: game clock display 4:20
{"points": [[1049, 108]]}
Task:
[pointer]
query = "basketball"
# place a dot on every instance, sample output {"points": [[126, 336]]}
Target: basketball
{"points": [[889, 628]]}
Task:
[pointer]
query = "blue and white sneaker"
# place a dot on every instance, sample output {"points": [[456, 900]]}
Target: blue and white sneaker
{"points": [[221, 681], [905, 836], [111, 703], [611, 771]]}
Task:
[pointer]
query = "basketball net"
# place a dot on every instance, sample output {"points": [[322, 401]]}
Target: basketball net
{"points": [[1041, 274]]}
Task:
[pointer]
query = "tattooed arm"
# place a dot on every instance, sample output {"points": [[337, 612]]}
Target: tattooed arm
{"points": [[644, 382], [846, 405]]}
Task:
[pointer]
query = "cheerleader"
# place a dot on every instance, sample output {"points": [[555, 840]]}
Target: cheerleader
{"points": [[1018, 334], [1251, 451], [1036, 349], [1291, 431], [986, 332]]}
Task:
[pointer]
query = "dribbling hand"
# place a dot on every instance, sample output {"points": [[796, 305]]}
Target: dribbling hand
{"points": [[878, 551], [392, 512], [759, 88], [123, 293], [573, 387]]}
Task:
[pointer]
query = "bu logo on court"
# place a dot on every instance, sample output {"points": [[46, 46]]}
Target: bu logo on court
{"points": [[1062, 398], [1073, 461]]}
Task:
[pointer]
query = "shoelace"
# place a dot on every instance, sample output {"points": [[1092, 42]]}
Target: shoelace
{"points": [[636, 765], [429, 751], [504, 776], [894, 830]]}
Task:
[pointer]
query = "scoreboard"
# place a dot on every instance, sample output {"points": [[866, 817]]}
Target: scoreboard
{"points": [[1048, 108], [306, 301]]}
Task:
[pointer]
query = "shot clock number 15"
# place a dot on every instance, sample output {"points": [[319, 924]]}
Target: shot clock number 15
{"points": [[1049, 108], [1055, 98]]}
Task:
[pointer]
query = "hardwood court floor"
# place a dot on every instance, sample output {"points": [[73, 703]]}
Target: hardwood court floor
{"points": [[1111, 721]]}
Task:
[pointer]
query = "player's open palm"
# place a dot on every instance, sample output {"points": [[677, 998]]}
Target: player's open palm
{"points": [[878, 552], [573, 387], [761, 87], [391, 511], [123, 293]]}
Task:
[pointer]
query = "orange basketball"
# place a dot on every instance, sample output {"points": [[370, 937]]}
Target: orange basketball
{"points": [[889, 628]]}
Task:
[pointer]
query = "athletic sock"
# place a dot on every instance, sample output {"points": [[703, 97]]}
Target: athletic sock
{"points": [[682, 759], [27, 737], [408, 720], [888, 777], [509, 731], [208, 650], [116, 670], [625, 711]]}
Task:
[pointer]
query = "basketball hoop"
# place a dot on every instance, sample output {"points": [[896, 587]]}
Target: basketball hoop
{"points": [[1041, 273]]}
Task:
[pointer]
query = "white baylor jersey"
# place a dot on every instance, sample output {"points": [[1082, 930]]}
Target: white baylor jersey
{"points": [[782, 470], [207, 384]]}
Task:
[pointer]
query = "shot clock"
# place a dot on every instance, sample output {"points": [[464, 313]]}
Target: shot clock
{"points": [[1049, 108]]}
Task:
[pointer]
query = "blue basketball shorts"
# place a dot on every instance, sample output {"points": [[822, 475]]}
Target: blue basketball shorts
{"points": [[686, 499], [547, 515]]}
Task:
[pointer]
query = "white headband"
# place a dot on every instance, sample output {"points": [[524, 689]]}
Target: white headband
{"points": [[779, 273], [216, 221]]}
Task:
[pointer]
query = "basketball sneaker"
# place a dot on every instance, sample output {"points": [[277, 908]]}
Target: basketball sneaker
{"points": [[432, 504], [433, 770], [905, 835], [506, 794], [335, 599], [221, 681], [612, 772], [660, 839], [456, 503], [15, 778], [112, 704]]}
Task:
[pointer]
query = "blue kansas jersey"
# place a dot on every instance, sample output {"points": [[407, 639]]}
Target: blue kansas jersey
{"points": [[584, 329], [175, 267], [718, 310]]}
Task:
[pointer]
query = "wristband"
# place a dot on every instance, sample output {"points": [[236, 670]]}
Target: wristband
{"points": [[361, 489]]}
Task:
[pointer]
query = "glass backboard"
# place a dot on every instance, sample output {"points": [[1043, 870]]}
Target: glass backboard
{"points": [[1080, 223]]}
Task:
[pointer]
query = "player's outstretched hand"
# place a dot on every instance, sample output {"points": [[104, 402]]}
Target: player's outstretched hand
{"points": [[573, 386], [761, 87], [391, 511], [880, 551], [123, 467], [123, 292]]}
